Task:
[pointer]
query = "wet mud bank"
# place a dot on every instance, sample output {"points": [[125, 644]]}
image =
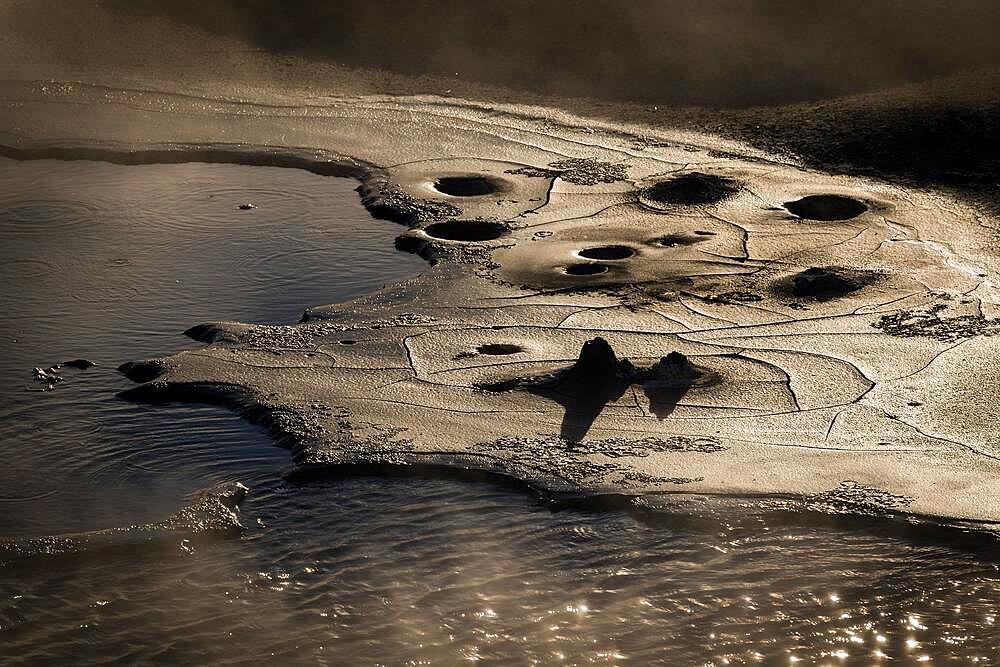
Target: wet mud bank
{"points": [[747, 294], [211, 513]]}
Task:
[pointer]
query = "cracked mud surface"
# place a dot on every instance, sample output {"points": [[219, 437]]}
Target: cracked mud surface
{"points": [[880, 368]]}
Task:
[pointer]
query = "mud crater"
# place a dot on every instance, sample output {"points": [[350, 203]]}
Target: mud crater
{"points": [[825, 283], [607, 252], [466, 231], [468, 186], [692, 189], [826, 208], [585, 269]]}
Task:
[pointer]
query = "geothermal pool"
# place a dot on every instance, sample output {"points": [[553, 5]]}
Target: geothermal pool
{"points": [[111, 262]]}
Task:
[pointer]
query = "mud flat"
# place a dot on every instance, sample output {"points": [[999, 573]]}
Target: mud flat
{"points": [[766, 331]]}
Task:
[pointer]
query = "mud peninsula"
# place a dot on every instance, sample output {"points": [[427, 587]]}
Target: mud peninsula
{"points": [[792, 336]]}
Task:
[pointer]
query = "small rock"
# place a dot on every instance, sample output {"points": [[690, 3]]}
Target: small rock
{"points": [[47, 377]]}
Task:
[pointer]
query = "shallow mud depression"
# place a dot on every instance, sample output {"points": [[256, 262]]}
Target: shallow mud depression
{"points": [[607, 311]]}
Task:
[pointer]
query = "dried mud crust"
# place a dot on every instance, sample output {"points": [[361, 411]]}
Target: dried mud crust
{"points": [[800, 391], [579, 171], [580, 463], [850, 497], [931, 324]]}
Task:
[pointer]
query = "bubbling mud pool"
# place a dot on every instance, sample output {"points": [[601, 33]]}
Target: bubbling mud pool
{"points": [[371, 569]]}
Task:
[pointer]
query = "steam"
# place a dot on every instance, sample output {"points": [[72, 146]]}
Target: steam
{"points": [[684, 52]]}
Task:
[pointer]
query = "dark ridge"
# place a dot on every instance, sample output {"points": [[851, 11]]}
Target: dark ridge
{"points": [[826, 208], [607, 252], [585, 269], [499, 348], [466, 186], [674, 240], [942, 133], [467, 231], [143, 371], [824, 283], [347, 341], [692, 189]]}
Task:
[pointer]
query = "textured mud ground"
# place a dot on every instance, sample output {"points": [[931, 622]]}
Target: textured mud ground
{"points": [[767, 330]]}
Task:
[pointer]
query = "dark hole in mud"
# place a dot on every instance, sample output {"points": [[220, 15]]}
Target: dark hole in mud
{"points": [[466, 230], [673, 240], [499, 348], [347, 341], [824, 283], [826, 207], [693, 188], [607, 252], [466, 186], [586, 269]]}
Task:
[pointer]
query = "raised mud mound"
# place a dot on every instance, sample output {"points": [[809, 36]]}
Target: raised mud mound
{"points": [[737, 350]]}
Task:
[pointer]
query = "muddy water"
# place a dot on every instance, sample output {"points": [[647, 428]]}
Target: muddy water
{"points": [[110, 263]]}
